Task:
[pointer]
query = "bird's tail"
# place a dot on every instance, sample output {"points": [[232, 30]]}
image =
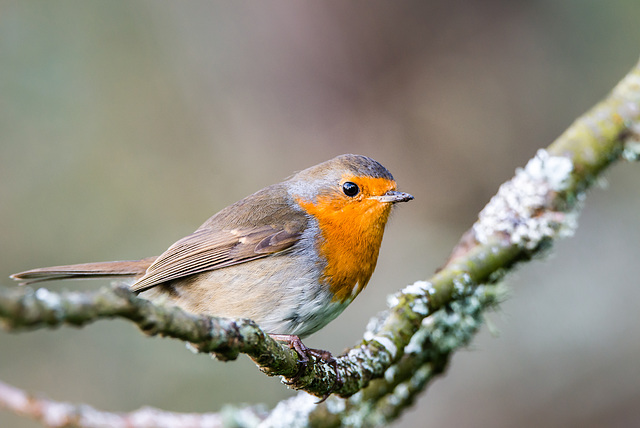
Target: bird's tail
{"points": [[126, 268]]}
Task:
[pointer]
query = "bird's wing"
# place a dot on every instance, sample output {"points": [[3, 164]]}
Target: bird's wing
{"points": [[208, 249]]}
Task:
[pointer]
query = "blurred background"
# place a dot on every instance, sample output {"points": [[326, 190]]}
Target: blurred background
{"points": [[124, 125]]}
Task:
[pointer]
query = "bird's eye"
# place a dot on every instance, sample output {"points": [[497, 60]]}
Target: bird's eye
{"points": [[350, 189]]}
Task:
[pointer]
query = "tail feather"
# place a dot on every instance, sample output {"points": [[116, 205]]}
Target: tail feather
{"points": [[132, 268]]}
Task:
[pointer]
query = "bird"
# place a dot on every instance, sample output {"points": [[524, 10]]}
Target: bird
{"points": [[291, 256]]}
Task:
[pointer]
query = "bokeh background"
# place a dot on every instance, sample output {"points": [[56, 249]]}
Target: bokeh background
{"points": [[125, 124]]}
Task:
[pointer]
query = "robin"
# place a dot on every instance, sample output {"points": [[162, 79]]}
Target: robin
{"points": [[292, 256]]}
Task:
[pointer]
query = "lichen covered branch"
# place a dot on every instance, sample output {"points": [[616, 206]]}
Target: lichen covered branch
{"points": [[59, 415]]}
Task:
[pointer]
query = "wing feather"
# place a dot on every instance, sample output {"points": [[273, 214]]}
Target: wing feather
{"points": [[208, 249]]}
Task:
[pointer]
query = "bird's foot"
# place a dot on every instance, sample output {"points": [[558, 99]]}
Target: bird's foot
{"points": [[305, 353]]}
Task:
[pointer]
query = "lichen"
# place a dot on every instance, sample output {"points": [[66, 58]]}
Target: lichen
{"points": [[292, 413], [387, 344], [631, 151], [522, 209]]}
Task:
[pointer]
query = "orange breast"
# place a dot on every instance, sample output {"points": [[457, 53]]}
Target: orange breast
{"points": [[352, 230]]}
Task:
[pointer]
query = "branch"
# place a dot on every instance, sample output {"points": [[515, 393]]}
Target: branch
{"points": [[408, 345], [55, 414]]}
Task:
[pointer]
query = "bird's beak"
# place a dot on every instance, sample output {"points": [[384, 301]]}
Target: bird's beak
{"points": [[393, 196]]}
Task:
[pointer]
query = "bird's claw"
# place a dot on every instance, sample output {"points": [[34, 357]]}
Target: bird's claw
{"points": [[304, 353]]}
